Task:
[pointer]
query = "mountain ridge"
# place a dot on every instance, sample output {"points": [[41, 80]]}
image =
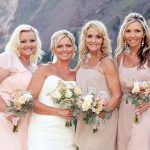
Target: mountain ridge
{"points": [[49, 16]]}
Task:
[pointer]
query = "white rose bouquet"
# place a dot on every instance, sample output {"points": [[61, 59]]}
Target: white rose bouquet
{"points": [[21, 103], [67, 96], [139, 92], [92, 106]]}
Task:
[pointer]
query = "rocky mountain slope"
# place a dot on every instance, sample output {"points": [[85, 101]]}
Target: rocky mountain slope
{"points": [[49, 16]]}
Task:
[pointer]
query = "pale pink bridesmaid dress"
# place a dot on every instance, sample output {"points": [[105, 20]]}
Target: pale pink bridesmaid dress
{"points": [[128, 132], [140, 134], [104, 139], [19, 78]]}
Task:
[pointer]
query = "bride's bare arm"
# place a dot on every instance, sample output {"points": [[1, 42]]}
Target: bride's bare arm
{"points": [[35, 87]]}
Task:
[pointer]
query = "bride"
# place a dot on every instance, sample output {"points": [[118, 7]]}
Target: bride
{"points": [[47, 129]]}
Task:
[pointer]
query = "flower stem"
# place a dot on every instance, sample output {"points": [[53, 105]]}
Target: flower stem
{"points": [[68, 124], [136, 118], [15, 128]]}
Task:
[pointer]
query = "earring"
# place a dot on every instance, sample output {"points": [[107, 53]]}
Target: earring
{"points": [[126, 47], [142, 43]]}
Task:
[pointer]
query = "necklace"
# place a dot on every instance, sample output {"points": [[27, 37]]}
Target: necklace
{"points": [[133, 61]]}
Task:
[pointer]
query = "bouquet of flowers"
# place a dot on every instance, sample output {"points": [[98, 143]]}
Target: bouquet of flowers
{"points": [[92, 106], [139, 92], [19, 104], [67, 96]]}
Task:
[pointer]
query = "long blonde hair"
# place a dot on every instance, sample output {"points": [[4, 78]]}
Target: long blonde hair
{"points": [[144, 51], [100, 27], [59, 35], [14, 42]]}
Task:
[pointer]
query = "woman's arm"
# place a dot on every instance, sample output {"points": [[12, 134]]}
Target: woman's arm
{"points": [[118, 58], [112, 78], [3, 75], [35, 87], [143, 107], [3, 105]]}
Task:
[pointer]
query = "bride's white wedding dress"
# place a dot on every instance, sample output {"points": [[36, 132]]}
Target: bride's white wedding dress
{"points": [[48, 132]]}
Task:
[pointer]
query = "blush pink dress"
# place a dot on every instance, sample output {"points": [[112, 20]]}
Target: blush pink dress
{"points": [[104, 139], [132, 136], [19, 78]]}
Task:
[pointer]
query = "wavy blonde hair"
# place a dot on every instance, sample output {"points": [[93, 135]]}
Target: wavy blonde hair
{"points": [[101, 28], [14, 42], [144, 51], [57, 36]]}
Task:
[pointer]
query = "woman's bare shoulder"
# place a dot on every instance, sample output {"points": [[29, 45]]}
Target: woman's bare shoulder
{"points": [[108, 64], [107, 60], [79, 65], [119, 57], [43, 69], [73, 74]]}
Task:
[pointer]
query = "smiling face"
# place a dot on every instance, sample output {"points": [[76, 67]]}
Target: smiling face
{"points": [[93, 40], [134, 34], [64, 49], [27, 44]]}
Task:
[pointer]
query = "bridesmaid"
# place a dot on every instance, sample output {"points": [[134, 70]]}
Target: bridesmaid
{"points": [[17, 64], [97, 69], [133, 60]]}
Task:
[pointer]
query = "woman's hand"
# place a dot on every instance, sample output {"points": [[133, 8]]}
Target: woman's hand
{"points": [[102, 115], [12, 118], [105, 104], [142, 107], [65, 113]]}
